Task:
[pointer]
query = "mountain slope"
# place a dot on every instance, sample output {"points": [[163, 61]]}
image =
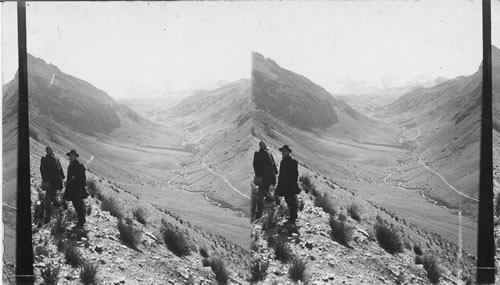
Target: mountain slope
{"points": [[66, 99], [445, 120], [292, 97]]}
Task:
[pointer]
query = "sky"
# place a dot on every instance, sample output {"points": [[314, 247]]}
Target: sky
{"points": [[139, 49]]}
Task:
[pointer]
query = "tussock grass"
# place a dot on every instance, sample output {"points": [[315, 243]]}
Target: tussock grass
{"points": [[141, 215], [129, 234], [50, 274], [206, 262], [113, 207], [88, 273], [282, 250], [432, 268], [258, 270], [203, 252], [327, 204], [307, 184], [93, 187], [176, 241], [355, 212], [417, 249], [72, 254], [389, 239], [297, 270], [341, 232], [219, 268]]}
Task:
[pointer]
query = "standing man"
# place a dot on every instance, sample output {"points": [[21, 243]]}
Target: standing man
{"points": [[265, 175], [52, 180], [287, 182], [75, 186]]}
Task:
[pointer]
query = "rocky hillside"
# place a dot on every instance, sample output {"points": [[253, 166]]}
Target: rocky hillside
{"points": [[292, 97], [341, 239], [66, 99], [128, 241]]}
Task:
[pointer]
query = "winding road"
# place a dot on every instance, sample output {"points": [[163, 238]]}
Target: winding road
{"points": [[421, 162], [170, 182]]}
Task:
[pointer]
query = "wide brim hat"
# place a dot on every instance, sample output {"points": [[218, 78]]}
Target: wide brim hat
{"points": [[73, 152], [285, 147]]}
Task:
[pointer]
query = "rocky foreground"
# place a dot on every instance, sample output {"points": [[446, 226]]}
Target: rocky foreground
{"points": [[336, 241]]}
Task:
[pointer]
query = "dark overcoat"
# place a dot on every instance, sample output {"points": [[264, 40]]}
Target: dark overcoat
{"points": [[287, 179], [76, 182], [52, 172], [264, 166]]}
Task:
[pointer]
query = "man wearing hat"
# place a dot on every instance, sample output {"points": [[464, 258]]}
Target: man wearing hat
{"points": [[265, 175], [287, 182], [75, 186], [52, 180]]}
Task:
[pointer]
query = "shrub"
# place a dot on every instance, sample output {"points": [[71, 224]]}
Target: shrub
{"points": [[50, 274], [113, 207], [92, 187], [88, 273], [297, 270], [282, 250], [175, 241], [341, 232], [206, 262], [432, 268], [258, 269], [204, 252], [72, 254], [389, 239], [417, 249], [326, 203], [129, 234], [307, 185], [355, 212], [140, 214], [219, 268]]}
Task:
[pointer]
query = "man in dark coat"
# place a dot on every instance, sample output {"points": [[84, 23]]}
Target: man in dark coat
{"points": [[75, 186], [287, 182], [52, 180], [265, 175]]}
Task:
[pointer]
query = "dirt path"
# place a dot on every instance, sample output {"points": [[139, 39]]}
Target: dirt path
{"points": [[215, 172], [170, 182], [425, 165], [419, 159]]}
